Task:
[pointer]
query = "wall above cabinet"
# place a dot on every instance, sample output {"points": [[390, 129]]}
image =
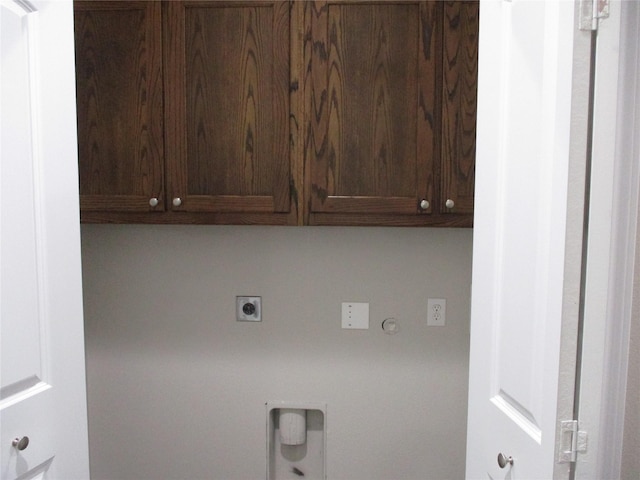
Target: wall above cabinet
{"points": [[283, 113]]}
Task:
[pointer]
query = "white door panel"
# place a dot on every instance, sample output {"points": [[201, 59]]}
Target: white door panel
{"points": [[522, 182], [42, 389], [21, 299]]}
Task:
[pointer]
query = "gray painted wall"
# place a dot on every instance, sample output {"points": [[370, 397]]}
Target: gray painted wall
{"points": [[177, 388]]}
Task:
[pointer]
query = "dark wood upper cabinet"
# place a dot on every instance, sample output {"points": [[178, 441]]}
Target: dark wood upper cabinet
{"points": [[391, 93], [227, 106], [184, 112], [119, 105], [459, 97], [277, 112]]}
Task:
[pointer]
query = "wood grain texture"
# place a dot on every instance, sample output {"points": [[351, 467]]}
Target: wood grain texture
{"points": [[297, 112], [372, 92], [283, 113], [372, 100], [119, 104], [429, 102], [459, 93], [226, 218], [227, 78], [366, 99], [184, 218]]}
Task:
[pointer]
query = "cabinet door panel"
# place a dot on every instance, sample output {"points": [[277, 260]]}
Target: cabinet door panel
{"points": [[227, 82], [459, 92], [373, 106], [119, 105]]}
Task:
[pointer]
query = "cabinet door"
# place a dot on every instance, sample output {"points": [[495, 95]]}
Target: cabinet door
{"points": [[459, 99], [374, 109], [391, 94], [119, 105], [227, 93]]}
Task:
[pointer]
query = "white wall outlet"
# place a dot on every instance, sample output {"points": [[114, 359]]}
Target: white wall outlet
{"points": [[436, 312], [355, 315], [249, 309]]}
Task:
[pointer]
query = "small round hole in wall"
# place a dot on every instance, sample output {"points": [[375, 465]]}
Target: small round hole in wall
{"points": [[390, 326]]}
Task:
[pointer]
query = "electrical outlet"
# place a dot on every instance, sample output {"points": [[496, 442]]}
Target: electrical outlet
{"points": [[436, 312], [249, 309]]}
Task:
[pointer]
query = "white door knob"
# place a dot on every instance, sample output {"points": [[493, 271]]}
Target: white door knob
{"points": [[424, 204], [177, 202], [503, 460], [153, 202], [449, 203], [20, 443]]}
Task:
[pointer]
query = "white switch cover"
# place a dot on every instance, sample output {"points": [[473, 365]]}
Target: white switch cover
{"points": [[355, 315]]}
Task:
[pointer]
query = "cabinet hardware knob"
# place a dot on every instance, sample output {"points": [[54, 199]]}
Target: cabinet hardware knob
{"points": [[503, 460], [20, 443], [177, 202], [424, 204], [153, 202], [449, 203]]}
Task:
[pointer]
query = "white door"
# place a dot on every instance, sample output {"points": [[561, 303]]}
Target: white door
{"points": [[42, 394], [527, 237]]}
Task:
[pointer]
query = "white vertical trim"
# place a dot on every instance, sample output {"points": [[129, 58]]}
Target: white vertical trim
{"points": [[31, 26], [623, 246], [611, 249], [571, 294]]}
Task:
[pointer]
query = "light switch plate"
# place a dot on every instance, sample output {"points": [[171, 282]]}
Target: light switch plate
{"points": [[355, 315]]}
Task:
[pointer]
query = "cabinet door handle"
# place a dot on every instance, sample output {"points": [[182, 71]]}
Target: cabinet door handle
{"points": [[449, 203], [153, 202], [177, 201], [424, 204]]}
